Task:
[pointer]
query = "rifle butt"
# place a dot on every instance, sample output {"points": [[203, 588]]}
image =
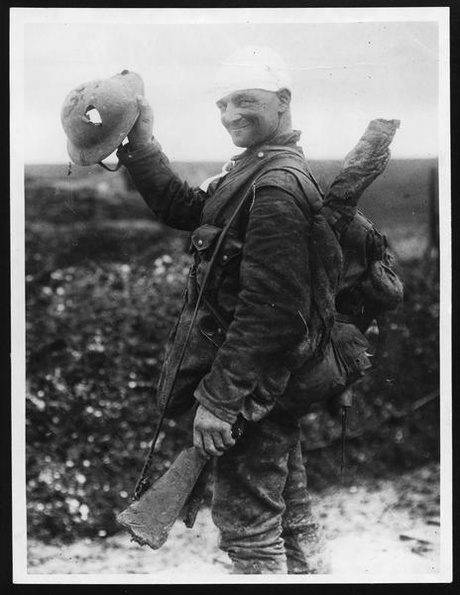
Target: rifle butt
{"points": [[150, 519]]}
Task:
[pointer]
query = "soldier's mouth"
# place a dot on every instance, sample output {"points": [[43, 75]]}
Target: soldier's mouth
{"points": [[237, 128]]}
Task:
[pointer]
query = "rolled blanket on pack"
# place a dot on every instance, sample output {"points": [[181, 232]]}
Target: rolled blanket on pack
{"points": [[362, 165]]}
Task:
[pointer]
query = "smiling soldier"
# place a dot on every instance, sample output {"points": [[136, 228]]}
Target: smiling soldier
{"points": [[267, 309]]}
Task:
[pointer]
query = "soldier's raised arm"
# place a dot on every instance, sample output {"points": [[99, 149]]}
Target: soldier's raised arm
{"points": [[171, 199]]}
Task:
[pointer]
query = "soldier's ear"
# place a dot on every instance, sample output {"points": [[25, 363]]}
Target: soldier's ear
{"points": [[284, 96]]}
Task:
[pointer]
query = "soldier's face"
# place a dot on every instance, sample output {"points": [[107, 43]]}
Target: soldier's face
{"points": [[250, 116]]}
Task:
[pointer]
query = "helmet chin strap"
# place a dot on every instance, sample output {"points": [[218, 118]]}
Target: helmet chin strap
{"points": [[117, 167]]}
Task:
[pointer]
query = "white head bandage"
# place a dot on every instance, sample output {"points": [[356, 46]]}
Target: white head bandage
{"points": [[252, 67]]}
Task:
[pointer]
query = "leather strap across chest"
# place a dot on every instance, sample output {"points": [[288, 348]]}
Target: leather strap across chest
{"points": [[222, 202]]}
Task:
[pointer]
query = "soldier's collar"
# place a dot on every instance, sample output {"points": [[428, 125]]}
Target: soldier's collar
{"points": [[284, 139]]}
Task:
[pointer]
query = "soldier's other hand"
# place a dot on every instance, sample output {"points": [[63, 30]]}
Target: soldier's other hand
{"points": [[211, 435], [141, 133]]}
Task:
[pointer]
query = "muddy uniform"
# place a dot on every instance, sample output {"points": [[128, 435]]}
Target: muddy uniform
{"points": [[268, 312]]}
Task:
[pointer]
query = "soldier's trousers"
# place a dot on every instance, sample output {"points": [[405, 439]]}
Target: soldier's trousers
{"points": [[261, 504]]}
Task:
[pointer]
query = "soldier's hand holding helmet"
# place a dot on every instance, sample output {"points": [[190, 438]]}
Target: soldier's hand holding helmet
{"points": [[141, 133]]}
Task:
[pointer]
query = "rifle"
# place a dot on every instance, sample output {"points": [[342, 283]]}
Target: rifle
{"points": [[155, 508]]}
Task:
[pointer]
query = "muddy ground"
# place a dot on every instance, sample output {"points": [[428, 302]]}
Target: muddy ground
{"points": [[374, 529]]}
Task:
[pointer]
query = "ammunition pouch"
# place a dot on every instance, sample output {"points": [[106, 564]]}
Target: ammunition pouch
{"points": [[345, 360], [223, 284]]}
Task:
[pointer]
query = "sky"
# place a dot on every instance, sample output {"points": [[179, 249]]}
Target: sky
{"points": [[348, 67]]}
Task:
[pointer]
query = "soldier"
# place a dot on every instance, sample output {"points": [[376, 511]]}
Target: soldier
{"points": [[268, 308]]}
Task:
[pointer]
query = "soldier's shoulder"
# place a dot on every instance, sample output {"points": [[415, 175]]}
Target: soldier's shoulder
{"points": [[288, 172]]}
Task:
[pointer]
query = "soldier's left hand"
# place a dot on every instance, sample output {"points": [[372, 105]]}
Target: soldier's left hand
{"points": [[211, 435]]}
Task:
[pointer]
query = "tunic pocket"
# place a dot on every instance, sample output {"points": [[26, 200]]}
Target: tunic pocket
{"points": [[203, 239]]}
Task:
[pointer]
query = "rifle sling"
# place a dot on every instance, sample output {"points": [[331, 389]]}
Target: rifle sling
{"points": [[142, 483]]}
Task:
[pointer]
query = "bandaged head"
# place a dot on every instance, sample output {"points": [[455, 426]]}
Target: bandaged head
{"points": [[252, 67]]}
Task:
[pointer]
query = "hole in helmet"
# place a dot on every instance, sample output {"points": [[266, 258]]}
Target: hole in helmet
{"points": [[93, 115]]}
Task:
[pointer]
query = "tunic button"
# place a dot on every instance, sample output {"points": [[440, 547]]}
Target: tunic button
{"points": [[260, 154], [225, 257], [200, 243]]}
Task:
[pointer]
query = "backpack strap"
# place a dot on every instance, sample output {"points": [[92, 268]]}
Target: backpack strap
{"points": [[337, 220]]}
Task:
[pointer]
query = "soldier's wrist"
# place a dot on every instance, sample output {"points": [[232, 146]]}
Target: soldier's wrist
{"points": [[218, 409], [130, 152]]}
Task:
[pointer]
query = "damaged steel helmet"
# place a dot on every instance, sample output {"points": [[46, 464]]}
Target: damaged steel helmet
{"points": [[98, 115]]}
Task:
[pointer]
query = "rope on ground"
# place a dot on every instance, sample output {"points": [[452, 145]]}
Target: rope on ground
{"points": [[394, 415]]}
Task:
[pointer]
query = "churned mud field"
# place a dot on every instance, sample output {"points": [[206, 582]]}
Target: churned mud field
{"points": [[375, 528]]}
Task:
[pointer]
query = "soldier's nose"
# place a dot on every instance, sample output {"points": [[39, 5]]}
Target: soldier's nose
{"points": [[231, 117]]}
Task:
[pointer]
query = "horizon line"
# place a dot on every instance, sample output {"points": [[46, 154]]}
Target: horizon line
{"points": [[26, 163]]}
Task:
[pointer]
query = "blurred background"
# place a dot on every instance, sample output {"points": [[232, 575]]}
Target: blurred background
{"points": [[104, 279]]}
